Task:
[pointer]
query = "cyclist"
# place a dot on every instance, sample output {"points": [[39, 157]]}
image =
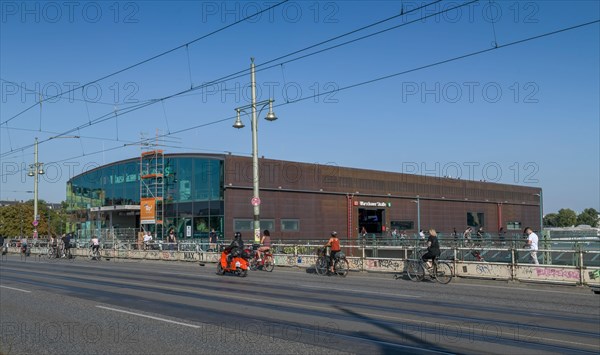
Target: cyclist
{"points": [[433, 249], [467, 235], [94, 244], [265, 241], [66, 239], [24, 246], [479, 235], [334, 243]]}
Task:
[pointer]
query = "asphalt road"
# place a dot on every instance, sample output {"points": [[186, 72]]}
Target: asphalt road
{"points": [[143, 307]]}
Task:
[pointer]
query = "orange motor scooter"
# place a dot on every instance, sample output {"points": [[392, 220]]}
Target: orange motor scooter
{"points": [[238, 265]]}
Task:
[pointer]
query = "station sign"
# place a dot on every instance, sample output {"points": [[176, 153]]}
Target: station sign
{"points": [[372, 204]]}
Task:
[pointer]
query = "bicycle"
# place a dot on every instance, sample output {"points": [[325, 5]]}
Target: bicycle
{"points": [[441, 271], [67, 253], [340, 264], [25, 251], [53, 252], [94, 253], [267, 263]]}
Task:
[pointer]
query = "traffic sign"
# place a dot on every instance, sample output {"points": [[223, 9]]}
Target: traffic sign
{"points": [[35, 223], [255, 201]]}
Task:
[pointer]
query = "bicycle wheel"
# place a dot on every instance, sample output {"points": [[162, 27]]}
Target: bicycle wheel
{"points": [[443, 273], [415, 270], [341, 267], [51, 253], [253, 264], [321, 265], [269, 264]]}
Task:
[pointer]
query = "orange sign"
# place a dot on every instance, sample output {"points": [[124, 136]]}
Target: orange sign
{"points": [[147, 208]]}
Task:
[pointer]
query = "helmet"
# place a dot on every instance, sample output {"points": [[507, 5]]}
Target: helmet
{"points": [[238, 235], [334, 233]]}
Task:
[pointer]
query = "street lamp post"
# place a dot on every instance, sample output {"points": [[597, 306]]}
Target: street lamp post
{"points": [[238, 124], [418, 202], [541, 196], [35, 170]]}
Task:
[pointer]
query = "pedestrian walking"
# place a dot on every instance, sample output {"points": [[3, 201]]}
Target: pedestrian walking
{"points": [[532, 244]]}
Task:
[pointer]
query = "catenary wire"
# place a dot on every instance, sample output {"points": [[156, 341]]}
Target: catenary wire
{"points": [[453, 59], [149, 59], [244, 72]]}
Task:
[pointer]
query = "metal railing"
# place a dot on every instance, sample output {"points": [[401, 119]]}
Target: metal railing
{"points": [[574, 266]]}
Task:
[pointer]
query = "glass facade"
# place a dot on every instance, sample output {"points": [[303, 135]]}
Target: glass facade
{"points": [[193, 194]]}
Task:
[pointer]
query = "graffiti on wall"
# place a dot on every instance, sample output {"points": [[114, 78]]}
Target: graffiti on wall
{"points": [[557, 273], [385, 264]]}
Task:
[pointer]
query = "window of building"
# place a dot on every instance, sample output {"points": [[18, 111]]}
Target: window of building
{"points": [[513, 225], [247, 225], [402, 225], [475, 219], [290, 225], [241, 225]]}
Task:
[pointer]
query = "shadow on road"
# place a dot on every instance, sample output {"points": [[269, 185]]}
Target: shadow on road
{"points": [[404, 337]]}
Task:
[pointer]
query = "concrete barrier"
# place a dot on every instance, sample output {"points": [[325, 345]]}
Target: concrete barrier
{"points": [[467, 269], [497, 271]]}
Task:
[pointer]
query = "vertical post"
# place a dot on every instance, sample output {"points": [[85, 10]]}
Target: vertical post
{"points": [[581, 268], [418, 214], [255, 172], [35, 181], [541, 213]]}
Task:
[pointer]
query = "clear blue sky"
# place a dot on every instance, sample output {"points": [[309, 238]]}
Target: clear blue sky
{"points": [[525, 114]]}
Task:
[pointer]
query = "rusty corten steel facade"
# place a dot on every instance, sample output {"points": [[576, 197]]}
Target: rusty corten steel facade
{"points": [[319, 197]]}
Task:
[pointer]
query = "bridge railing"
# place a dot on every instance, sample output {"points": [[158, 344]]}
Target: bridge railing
{"points": [[576, 266]]}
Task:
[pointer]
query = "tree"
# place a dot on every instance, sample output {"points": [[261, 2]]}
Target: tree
{"points": [[589, 216], [551, 220], [16, 219], [566, 217]]}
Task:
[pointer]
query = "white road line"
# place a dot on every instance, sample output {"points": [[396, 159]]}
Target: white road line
{"points": [[355, 291], [14, 288], [150, 317]]}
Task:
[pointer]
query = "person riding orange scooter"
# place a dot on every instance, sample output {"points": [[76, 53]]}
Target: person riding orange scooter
{"points": [[233, 258]]}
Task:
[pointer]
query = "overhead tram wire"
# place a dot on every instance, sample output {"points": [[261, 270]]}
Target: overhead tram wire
{"points": [[242, 73], [402, 13], [59, 97], [457, 58], [149, 59], [91, 123], [150, 102]]}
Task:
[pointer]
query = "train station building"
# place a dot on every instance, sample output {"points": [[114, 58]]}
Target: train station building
{"points": [[194, 193]]}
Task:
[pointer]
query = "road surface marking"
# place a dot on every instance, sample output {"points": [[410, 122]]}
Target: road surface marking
{"points": [[151, 317], [14, 288]]}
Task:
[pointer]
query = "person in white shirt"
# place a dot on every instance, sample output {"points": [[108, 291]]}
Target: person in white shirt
{"points": [[532, 243], [95, 243], [147, 239]]}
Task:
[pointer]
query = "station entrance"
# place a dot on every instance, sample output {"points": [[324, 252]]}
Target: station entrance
{"points": [[373, 220]]}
